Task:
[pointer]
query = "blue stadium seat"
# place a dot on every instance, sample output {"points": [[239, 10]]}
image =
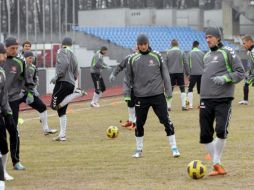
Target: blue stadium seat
{"points": [[160, 36]]}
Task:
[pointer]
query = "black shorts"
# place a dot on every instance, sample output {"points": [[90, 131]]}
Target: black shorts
{"points": [[61, 90], [218, 110], [37, 104], [98, 82], [194, 79], [177, 79]]}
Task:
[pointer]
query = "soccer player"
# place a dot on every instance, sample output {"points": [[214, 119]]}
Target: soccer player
{"points": [[148, 76], [177, 67], [4, 110], [27, 47], [96, 66], [131, 122], [248, 44], [196, 68], [31, 95], [14, 67], [222, 69], [64, 80]]}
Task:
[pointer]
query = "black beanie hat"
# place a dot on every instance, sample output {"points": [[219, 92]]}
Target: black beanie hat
{"points": [[10, 41], [213, 31], [142, 39], [2, 48], [28, 54], [67, 41]]}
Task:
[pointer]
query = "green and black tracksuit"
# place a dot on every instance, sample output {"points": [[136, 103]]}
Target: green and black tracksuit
{"points": [[148, 76], [215, 103]]}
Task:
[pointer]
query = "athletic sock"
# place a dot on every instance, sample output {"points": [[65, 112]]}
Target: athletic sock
{"points": [[210, 148], [183, 99], [172, 141], [69, 98], [219, 147], [139, 143], [190, 97], [132, 115], [44, 120], [63, 125]]}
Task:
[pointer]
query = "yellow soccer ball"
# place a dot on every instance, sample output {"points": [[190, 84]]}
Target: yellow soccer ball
{"points": [[112, 132], [196, 169]]}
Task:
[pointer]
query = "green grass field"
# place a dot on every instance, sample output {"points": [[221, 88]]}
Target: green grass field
{"points": [[88, 160]]}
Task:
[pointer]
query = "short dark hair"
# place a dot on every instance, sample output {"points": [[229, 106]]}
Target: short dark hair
{"points": [[26, 42], [104, 48], [174, 43], [195, 43]]}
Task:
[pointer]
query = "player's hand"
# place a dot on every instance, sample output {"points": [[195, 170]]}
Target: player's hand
{"points": [[9, 120], [219, 80], [22, 94], [36, 93], [29, 98], [169, 99], [127, 98], [112, 77], [53, 80]]}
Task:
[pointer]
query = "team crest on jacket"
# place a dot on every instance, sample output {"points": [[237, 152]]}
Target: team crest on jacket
{"points": [[215, 58], [13, 69], [151, 63]]}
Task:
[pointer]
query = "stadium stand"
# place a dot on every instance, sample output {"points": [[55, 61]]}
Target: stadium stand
{"points": [[160, 36]]}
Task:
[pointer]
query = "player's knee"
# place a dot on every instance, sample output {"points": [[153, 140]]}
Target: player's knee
{"points": [[131, 104], [182, 89], [222, 135], [205, 139], [139, 132], [43, 108], [98, 91], [169, 128], [4, 148], [61, 112], [190, 89]]}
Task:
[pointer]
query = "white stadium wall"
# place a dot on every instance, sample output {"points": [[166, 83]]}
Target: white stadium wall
{"points": [[168, 17], [106, 17], [164, 17], [213, 18], [137, 17], [188, 18]]}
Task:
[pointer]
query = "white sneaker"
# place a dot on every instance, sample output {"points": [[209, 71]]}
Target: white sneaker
{"points": [[175, 152], [243, 102], [50, 131], [137, 154], [7, 177], [80, 91], [58, 138], [95, 105]]}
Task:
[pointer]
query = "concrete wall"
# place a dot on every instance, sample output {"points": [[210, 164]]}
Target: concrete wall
{"points": [[169, 17], [213, 18], [105, 17], [164, 17], [188, 18], [137, 17]]}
